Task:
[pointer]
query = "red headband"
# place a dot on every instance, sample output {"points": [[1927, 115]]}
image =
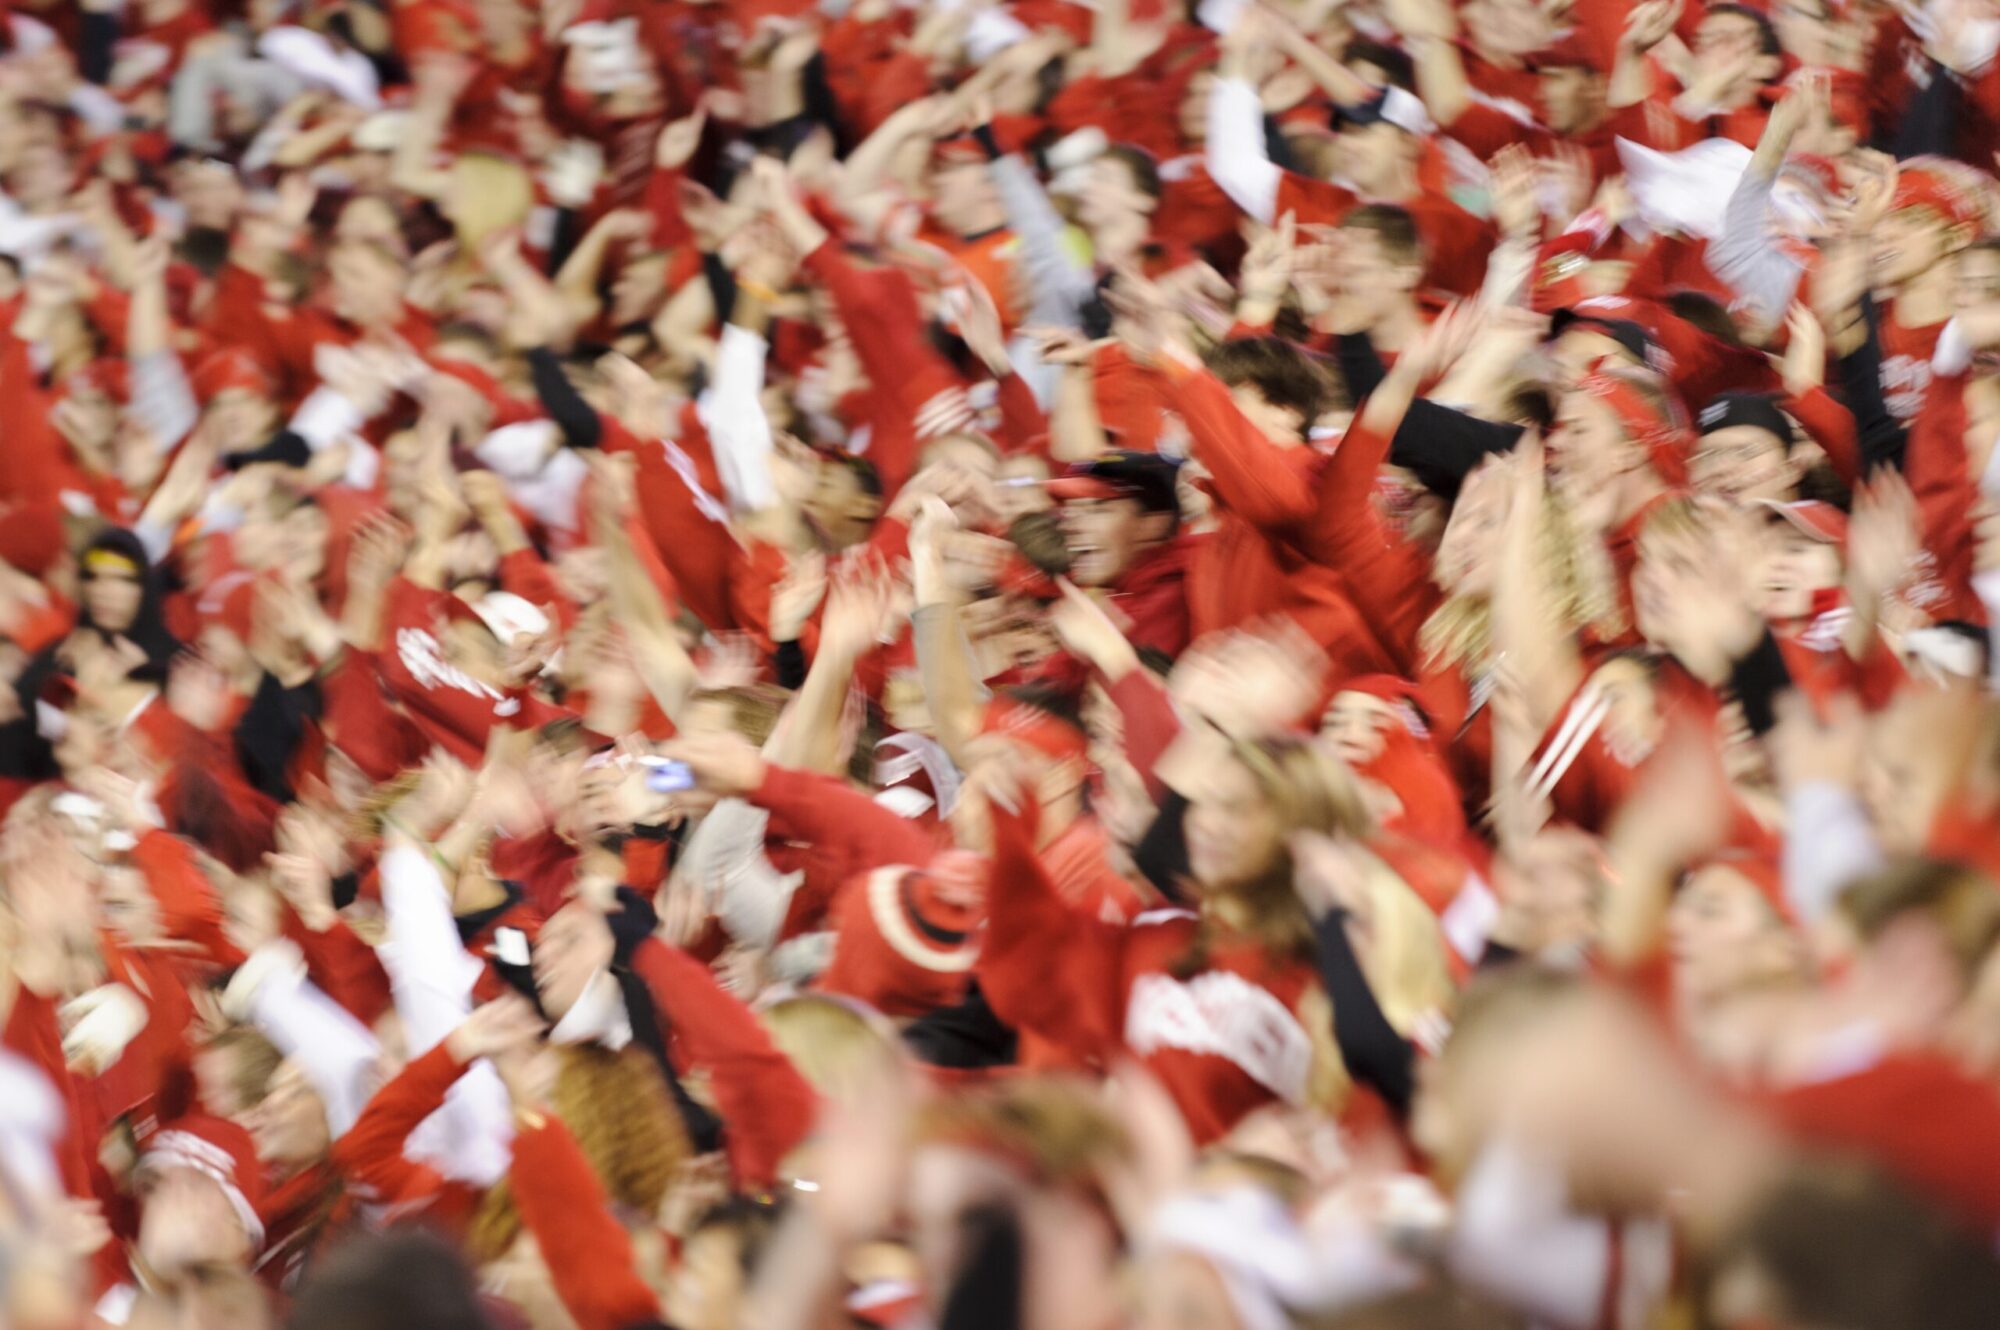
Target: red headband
{"points": [[1665, 440], [1034, 727]]}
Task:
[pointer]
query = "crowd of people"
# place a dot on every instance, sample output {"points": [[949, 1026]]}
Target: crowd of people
{"points": [[999, 664]]}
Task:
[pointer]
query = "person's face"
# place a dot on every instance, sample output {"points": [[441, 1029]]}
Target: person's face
{"points": [[1721, 934], [290, 1126], [1632, 715], [1465, 559], [1110, 195], [1729, 37], [572, 947], [637, 289], [40, 178], [1374, 156], [1796, 567], [839, 506], [1978, 277], [1743, 463], [1366, 277], [1181, 1291], [1908, 243], [1281, 425], [222, 648], [211, 195], [964, 199], [367, 286], [367, 218], [1553, 883], [706, 1287], [1588, 450], [1232, 830], [1104, 537], [1573, 97], [113, 597], [1356, 724], [186, 1221]]}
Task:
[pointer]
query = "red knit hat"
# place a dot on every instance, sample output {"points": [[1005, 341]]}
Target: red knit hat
{"points": [[906, 937], [219, 1149]]}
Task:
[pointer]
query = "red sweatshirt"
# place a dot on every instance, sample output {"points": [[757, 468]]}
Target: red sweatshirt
{"points": [[767, 1108], [1252, 566], [1224, 1041]]}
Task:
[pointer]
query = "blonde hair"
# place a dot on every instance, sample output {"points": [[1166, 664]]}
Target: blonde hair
{"points": [[840, 1049], [1057, 1131], [1404, 959], [1308, 789], [1460, 631], [616, 1105], [488, 193]]}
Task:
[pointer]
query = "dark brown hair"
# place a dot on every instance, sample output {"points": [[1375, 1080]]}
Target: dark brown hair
{"points": [[1284, 374]]}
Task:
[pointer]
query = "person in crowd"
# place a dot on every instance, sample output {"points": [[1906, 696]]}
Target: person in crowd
{"points": [[1023, 666]]}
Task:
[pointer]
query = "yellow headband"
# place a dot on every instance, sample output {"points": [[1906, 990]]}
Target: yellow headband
{"points": [[110, 561]]}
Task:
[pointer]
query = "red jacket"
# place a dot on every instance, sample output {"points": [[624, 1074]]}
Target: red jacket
{"points": [[1252, 566], [1224, 1041]]}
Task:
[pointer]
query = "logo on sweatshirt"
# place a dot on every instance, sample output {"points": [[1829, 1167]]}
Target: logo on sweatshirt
{"points": [[1226, 1016]]}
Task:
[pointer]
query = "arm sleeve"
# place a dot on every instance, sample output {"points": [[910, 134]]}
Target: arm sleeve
{"points": [[162, 398], [588, 1254], [1061, 285], [767, 1107], [1236, 156], [336, 1051], [839, 821], [1443, 446], [1360, 364], [431, 977], [1251, 480], [1883, 441], [725, 856], [1149, 725], [1764, 277], [580, 424], [1369, 1045], [732, 412], [1831, 426], [1044, 967]]}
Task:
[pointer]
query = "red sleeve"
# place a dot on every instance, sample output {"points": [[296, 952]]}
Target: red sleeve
{"points": [[589, 1256], [1024, 426], [189, 907], [1487, 129], [663, 200], [1387, 577], [371, 1153], [343, 967], [1312, 202], [766, 1106], [36, 454], [1831, 426], [524, 574], [1047, 969], [32, 1034], [880, 311], [1940, 477], [1149, 724], [1252, 477], [840, 822]]}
